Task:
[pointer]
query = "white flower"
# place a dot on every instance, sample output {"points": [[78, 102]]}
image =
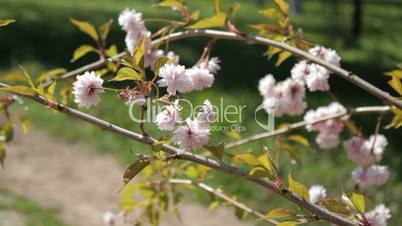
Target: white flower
{"points": [[326, 54], [132, 23], [378, 216], [191, 135], [365, 152], [327, 140], [212, 65], [206, 115], [286, 97], [167, 119], [173, 57], [374, 175], [130, 20], [174, 78], [313, 75], [266, 85], [109, 218], [317, 193], [87, 89], [200, 78]]}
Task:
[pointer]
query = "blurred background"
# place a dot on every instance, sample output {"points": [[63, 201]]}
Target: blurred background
{"points": [[365, 33]]}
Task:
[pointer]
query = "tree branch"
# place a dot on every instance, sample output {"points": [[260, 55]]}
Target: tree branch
{"points": [[218, 193], [291, 127], [353, 78], [319, 211]]}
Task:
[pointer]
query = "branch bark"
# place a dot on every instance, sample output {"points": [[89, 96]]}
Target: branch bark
{"points": [[319, 211], [349, 76], [291, 127], [221, 195]]}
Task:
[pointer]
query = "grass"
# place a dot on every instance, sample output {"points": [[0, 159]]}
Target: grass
{"points": [[43, 38], [34, 214]]}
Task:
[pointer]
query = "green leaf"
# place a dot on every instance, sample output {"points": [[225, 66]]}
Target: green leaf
{"points": [[2, 154], [50, 91], [358, 201], [217, 150], [258, 172], [25, 123], [397, 73], [282, 5], [8, 131], [282, 57], [233, 10], [396, 84], [86, 28], [300, 140], [268, 164], [233, 134], [287, 223], [28, 77], [12, 77], [104, 30], [218, 20], [5, 22], [112, 51], [195, 15], [134, 169], [249, 159], [127, 73], [280, 213], [21, 90], [240, 213], [298, 188], [336, 206], [51, 74], [213, 205], [271, 13], [172, 3], [217, 6], [155, 147], [82, 51], [159, 63]]}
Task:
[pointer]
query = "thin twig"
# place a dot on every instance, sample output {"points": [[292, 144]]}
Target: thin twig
{"points": [[351, 77], [218, 193], [291, 127], [317, 210]]}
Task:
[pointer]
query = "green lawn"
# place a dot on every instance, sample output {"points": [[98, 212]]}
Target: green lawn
{"points": [[43, 38]]}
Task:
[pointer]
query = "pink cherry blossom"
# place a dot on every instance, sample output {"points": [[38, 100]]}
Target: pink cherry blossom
{"points": [[206, 115], [174, 78], [200, 78], [313, 75], [327, 140], [365, 152], [326, 54], [266, 86], [191, 135], [167, 119], [212, 65], [87, 89], [374, 175], [317, 193], [378, 216]]}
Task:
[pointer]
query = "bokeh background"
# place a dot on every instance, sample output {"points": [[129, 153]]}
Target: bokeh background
{"points": [[369, 44]]}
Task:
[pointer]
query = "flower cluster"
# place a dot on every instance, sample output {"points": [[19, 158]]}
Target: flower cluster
{"points": [[87, 89], [192, 133], [317, 193], [328, 130], [378, 216], [365, 152], [313, 75], [373, 175], [131, 21], [179, 79], [285, 97]]}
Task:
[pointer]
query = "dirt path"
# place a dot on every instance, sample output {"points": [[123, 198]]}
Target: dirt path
{"points": [[81, 185]]}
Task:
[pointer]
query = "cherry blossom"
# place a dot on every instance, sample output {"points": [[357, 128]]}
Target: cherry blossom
{"points": [[317, 193], [266, 85], [373, 175], [174, 78], [200, 78], [326, 54], [109, 218], [313, 75], [206, 115], [87, 89], [365, 152], [167, 119], [191, 135], [212, 65], [378, 216], [131, 96]]}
